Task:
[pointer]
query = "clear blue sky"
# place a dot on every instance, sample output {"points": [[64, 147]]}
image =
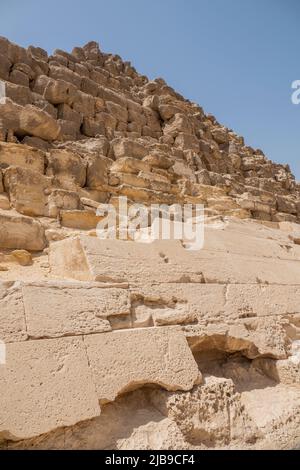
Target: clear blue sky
{"points": [[236, 58]]}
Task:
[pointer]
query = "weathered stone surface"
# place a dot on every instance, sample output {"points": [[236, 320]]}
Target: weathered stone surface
{"points": [[170, 364], [159, 160], [23, 156], [19, 232], [12, 318], [251, 337], [67, 167], [54, 91], [169, 262], [29, 120], [60, 199], [262, 243], [128, 148], [186, 302], [38, 123], [263, 300], [4, 202], [41, 390], [97, 171], [81, 219], [72, 309], [212, 413], [27, 190]]}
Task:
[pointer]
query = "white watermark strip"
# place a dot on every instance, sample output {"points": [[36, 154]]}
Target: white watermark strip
{"points": [[2, 353], [2, 92], [296, 94], [143, 224]]}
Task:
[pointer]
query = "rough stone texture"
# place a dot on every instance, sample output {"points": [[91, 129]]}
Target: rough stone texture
{"points": [[12, 318], [181, 349], [169, 364], [41, 390], [22, 156], [21, 232], [168, 262], [71, 309]]}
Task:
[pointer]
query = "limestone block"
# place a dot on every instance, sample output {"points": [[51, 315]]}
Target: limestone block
{"points": [[54, 91], [92, 127], [182, 169], [239, 239], [286, 204], [5, 66], [98, 76], [220, 135], [168, 111], [41, 390], [40, 102], [18, 93], [130, 165], [70, 130], [117, 111], [110, 95], [27, 190], [144, 195], [87, 147], [29, 120], [128, 148], [61, 199], [284, 217], [155, 181], [23, 156], [65, 74], [90, 87], [178, 124], [80, 219], [72, 309], [186, 141], [262, 300], [137, 118], [38, 123], [170, 303], [67, 166], [4, 202], [109, 121], [66, 113], [37, 143], [12, 319], [158, 160], [153, 120], [84, 104], [19, 77], [81, 70], [168, 262], [130, 179], [18, 232], [169, 364]]}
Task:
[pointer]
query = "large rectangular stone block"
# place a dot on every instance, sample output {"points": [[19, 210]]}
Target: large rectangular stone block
{"points": [[60, 308], [23, 156], [168, 262], [262, 300], [159, 356], [20, 232], [45, 385]]}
